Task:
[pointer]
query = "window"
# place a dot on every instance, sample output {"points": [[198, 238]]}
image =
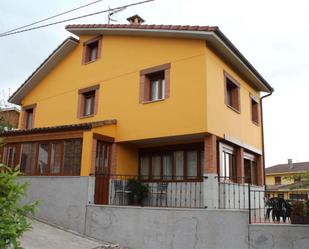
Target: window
{"points": [[28, 158], [251, 169], [254, 109], [157, 86], [28, 116], [299, 196], [51, 158], [88, 101], [92, 50], [171, 164], [154, 83], [72, 157], [297, 179], [232, 95], [227, 163], [280, 195], [10, 155], [277, 180]]}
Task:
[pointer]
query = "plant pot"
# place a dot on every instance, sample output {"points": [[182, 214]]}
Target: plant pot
{"points": [[299, 219]]}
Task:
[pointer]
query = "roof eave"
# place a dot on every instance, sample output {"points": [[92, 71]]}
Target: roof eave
{"points": [[215, 38], [50, 62]]}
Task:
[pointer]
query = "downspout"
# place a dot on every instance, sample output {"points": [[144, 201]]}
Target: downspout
{"points": [[262, 126]]}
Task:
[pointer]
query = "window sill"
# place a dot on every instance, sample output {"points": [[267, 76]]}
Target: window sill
{"points": [[256, 123], [87, 116], [89, 62], [233, 108], [152, 101]]}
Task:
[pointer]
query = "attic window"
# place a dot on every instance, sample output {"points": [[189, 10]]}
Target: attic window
{"points": [[232, 93], [92, 50]]}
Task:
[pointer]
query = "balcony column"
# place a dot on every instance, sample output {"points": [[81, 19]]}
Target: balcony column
{"points": [[210, 184], [240, 167], [260, 170]]}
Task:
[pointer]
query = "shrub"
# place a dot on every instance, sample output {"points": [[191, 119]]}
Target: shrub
{"points": [[13, 220]]}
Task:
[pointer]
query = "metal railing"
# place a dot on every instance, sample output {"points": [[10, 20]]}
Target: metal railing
{"points": [[276, 207], [234, 192], [172, 192]]}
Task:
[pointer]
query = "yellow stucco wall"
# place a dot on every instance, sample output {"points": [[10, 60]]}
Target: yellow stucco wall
{"points": [[220, 118], [270, 179], [117, 72], [196, 103]]}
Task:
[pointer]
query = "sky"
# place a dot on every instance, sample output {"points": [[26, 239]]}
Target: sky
{"points": [[272, 35]]}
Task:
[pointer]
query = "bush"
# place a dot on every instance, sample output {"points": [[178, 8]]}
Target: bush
{"points": [[13, 220]]}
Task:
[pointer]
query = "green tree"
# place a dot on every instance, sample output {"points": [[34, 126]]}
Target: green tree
{"points": [[13, 216], [304, 179]]}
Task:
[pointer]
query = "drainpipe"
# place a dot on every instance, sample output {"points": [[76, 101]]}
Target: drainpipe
{"points": [[262, 126]]}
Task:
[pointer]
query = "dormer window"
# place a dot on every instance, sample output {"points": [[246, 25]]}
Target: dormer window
{"points": [[92, 50], [88, 101], [28, 116]]}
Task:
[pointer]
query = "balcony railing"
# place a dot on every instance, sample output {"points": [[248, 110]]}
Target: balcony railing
{"points": [[176, 192]]}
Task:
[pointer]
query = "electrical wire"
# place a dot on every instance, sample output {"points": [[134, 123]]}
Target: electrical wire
{"points": [[51, 17], [75, 18]]}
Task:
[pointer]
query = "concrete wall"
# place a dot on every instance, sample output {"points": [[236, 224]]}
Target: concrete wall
{"points": [[279, 236], [64, 199], [141, 228]]}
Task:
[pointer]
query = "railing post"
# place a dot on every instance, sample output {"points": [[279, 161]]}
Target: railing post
{"points": [[249, 199]]}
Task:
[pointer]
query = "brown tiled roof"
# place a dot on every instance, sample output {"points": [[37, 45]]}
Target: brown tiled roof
{"points": [[283, 168], [50, 129], [295, 186], [144, 26]]}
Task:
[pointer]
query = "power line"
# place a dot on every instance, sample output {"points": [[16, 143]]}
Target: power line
{"points": [[54, 16], [75, 18]]}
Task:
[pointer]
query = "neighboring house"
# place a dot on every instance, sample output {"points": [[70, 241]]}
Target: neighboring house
{"points": [[281, 183], [9, 117], [174, 104]]}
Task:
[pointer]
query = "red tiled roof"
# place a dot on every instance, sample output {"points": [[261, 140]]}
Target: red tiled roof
{"points": [[282, 168], [50, 129], [144, 26]]}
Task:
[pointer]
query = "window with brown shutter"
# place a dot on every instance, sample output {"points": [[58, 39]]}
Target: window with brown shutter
{"points": [[28, 113], [232, 93], [254, 109], [92, 50], [155, 83], [277, 180], [88, 101]]}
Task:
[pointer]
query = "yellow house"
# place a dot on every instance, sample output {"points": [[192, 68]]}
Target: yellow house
{"points": [[283, 180], [161, 102]]}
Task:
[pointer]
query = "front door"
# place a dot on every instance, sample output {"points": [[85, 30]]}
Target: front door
{"points": [[102, 171]]}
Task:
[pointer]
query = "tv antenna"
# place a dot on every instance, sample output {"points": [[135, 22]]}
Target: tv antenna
{"points": [[110, 13]]}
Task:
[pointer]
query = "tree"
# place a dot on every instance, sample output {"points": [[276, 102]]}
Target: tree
{"points": [[303, 177], [13, 217]]}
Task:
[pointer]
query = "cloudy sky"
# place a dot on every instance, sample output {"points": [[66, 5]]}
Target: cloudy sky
{"points": [[273, 35]]}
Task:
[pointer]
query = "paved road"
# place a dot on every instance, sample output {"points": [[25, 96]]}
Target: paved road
{"points": [[43, 236]]}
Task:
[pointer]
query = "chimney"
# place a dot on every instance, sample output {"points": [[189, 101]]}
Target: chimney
{"points": [[135, 20], [290, 163]]}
